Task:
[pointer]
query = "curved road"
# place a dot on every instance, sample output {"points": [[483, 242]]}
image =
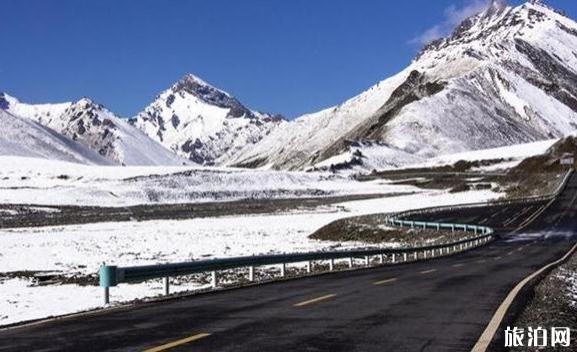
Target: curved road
{"points": [[438, 305]]}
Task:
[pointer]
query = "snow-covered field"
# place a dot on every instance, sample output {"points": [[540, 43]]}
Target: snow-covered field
{"points": [[511, 155], [77, 250], [48, 182], [383, 157]]}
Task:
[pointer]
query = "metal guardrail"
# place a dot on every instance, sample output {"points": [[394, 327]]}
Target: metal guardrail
{"points": [[546, 197], [111, 276]]}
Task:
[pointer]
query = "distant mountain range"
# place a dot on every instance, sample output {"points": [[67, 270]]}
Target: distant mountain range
{"points": [[505, 76], [190, 123]]}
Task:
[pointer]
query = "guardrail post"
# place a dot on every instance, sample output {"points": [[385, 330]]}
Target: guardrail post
{"points": [[350, 262], [366, 260], [425, 254], [394, 258], [452, 227], [251, 273], [282, 269], [331, 265], [382, 259], [166, 286], [309, 266], [107, 278], [213, 279], [404, 257], [438, 227]]}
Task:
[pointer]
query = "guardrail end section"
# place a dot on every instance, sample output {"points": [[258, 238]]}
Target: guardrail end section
{"points": [[107, 276]]}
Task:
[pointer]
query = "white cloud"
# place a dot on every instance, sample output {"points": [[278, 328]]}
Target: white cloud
{"points": [[453, 16]]}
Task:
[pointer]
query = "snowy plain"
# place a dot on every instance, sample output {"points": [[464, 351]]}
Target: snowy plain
{"points": [[78, 250], [48, 182]]}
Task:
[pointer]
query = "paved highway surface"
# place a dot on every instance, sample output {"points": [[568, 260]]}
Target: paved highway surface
{"points": [[438, 305]]}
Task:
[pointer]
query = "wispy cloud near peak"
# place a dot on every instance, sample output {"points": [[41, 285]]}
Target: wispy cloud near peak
{"points": [[453, 16]]}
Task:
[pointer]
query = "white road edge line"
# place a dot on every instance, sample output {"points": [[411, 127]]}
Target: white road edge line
{"points": [[487, 337]]}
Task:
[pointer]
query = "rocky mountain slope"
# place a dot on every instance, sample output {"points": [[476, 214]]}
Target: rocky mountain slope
{"points": [[202, 123], [24, 137], [98, 129], [505, 76]]}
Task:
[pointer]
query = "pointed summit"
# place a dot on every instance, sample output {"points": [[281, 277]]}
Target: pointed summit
{"points": [[203, 123], [193, 83], [4, 104]]}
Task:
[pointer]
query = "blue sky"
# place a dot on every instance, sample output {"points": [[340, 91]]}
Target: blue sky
{"points": [[291, 57]]}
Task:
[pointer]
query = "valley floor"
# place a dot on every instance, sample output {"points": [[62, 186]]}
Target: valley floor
{"points": [[48, 271]]}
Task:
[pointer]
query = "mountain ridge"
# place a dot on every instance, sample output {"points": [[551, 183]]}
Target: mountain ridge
{"points": [[202, 123], [504, 76], [96, 128]]}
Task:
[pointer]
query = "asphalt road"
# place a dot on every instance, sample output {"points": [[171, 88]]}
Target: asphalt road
{"points": [[438, 305]]}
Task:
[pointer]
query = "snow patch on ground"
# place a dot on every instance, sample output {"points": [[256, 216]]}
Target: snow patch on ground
{"points": [[383, 157], [570, 277]]}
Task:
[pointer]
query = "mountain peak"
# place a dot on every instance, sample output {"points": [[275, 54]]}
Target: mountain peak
{"points": [[197, 86], [192, 85], [4, 103], [191, 78], [85, 101]]}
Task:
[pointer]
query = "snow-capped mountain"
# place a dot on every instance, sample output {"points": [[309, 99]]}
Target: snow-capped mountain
{"points": [[202, 123], [95, 127], [24, 137], [42, 113], [505, 76]]}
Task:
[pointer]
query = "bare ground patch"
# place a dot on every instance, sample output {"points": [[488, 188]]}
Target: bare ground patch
{"points": [[373, 229]]}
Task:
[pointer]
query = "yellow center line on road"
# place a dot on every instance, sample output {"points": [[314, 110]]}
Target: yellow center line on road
{"points": [[382, 282], [177, 343], [314, 300], [427, 271]]}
